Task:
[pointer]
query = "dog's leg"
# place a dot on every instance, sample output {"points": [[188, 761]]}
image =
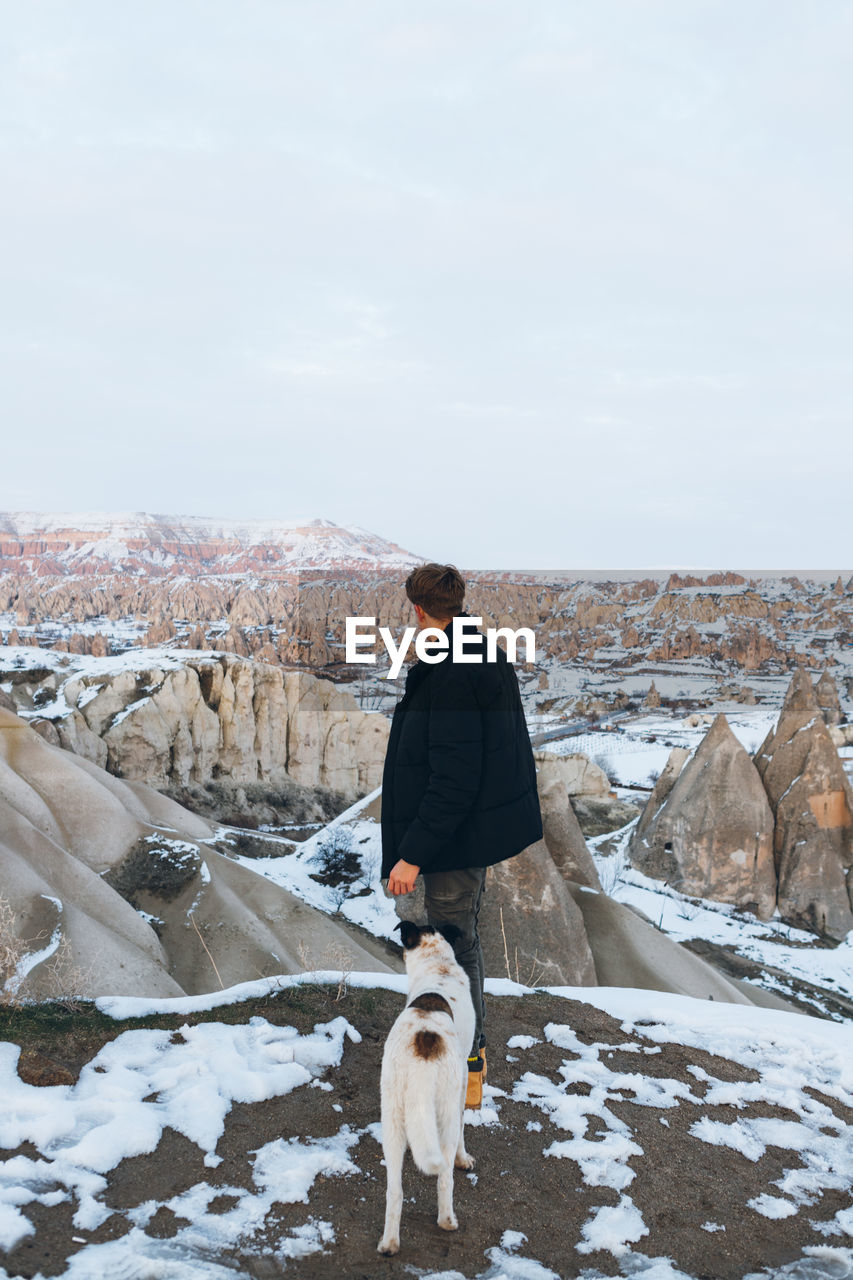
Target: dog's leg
{"points": [[394, 1148], [463, 1159], [446, 1216]]}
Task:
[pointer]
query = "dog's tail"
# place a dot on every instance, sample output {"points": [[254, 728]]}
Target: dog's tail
{"points": [[422, 1111], [422, 1136]]}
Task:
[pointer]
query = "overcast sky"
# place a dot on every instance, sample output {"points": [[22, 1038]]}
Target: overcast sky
{"points": [[550, 285]]}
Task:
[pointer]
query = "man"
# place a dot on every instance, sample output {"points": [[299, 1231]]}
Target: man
{"points": [[459, 783]]}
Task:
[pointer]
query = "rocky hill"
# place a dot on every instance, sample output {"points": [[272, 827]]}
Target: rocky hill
{"points": [[74, 545], [280, 593], [159, 1168], [105, 884], [136, 883], [773, 834], [221, 732], [238, 1129]]}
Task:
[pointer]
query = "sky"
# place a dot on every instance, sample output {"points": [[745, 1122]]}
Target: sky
{"points": [[558, 285]]}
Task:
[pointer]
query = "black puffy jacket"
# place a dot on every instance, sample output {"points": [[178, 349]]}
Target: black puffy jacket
{"points": [[459, 781]]}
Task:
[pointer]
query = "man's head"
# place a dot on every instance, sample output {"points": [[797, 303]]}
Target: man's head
{"points": [[437, 592]]}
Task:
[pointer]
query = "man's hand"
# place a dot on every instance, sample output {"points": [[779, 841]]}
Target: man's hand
{"points": [[402, 878]]}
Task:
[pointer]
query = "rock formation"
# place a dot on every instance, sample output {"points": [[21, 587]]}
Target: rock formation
{"points": [[173, 721], [577, 775], [812, 802], [652, 698], [280, 593], [663, 785], [711, 832], [826, 696], [532, 929], [628, 951], [707, 830], [109, 887], [562, 834], [183, 545]]}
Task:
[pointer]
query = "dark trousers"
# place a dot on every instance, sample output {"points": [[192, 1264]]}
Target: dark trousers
{"points": [[454, 897]]}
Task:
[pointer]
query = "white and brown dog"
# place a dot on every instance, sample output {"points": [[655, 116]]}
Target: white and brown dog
{"points": [[425, 1075]]}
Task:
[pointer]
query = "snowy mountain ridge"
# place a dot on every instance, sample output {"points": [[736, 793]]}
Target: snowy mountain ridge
{"points": [[80, 543]]}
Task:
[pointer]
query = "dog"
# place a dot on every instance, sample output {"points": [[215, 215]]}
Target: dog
{"points": [[425, 1074]]}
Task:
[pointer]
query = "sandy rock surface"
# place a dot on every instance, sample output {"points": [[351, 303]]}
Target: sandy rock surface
{"points": [[710, 833], [812, 802], [113, 888]]}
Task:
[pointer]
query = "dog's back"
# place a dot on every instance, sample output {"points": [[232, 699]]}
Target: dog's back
{"points": [[423, 1068]]}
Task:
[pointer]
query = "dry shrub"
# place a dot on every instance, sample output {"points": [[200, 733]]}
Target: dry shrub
{"points": [[66, 983], [334, 957], [12, 951], [526, 978]]}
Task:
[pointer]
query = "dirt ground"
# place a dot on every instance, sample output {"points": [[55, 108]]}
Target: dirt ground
{"points": [[680, 1181]]}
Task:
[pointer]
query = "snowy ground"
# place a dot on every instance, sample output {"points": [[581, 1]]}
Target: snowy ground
{"points": [[295, 866], [792, 953], [598, 1105], [84, 1131], [634, 754]]}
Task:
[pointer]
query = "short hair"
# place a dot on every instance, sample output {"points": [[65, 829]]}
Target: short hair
{"points": [[438, 588]]}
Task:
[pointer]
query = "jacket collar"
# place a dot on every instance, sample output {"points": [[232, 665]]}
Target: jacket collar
{"points": [[463, 613], [418, 671]]}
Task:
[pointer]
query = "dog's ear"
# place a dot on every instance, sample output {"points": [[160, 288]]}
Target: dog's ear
{"points": [[410, 934], [451, 933]]}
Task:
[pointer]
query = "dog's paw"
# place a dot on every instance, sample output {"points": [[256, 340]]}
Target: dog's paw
{"points": [[388, 1246], [448, 1224], [464, 1161]]}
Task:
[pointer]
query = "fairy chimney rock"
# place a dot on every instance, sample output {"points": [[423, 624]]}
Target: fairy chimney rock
{"points": [[826, 695], [532, 928], [563, 836], [712, 834], [812, 801], [675, 762]]}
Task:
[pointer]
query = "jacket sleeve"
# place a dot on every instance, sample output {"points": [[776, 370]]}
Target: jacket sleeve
{"points": [[455, 746]]}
